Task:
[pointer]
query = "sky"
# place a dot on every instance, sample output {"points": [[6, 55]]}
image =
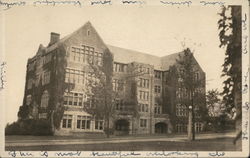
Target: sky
{"points": [[156, 30]]}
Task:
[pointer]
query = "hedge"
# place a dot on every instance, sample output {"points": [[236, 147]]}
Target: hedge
{"points": [[29, 127]]}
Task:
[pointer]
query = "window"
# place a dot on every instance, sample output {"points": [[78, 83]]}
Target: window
{"points": [[157, 74], [196, 76], [47, 58], [197, 112], [99, 59], [143, 122], [46, 77], [118, 85], [74, 76], [118, 67], [143, 70], [78, 55], [181, 127], [42, 115], [181, 110], [157, 89], [92, 101], [146, 107], [85, 54], [178, 127], [198, 127], [184, 93], [91, 57], [88, 32], [178, 93], [39, 62], [45, 99], [143, 107], [83, 122], [143, 95], [37, 79], [99, 125], [67, 121], [158, 109], [28, 99], [30, 83], [74, 99], [120, 105], [143, 83], [115, 84], [140, 69]]}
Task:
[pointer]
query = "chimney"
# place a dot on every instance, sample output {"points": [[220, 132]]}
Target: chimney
{"points": [[54, 37]]}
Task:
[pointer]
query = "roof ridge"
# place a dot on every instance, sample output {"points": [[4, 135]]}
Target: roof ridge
{"points": [[109, 45], [132, 50]]}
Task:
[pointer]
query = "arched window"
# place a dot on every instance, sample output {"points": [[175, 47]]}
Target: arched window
{"points": [[45, 99]]}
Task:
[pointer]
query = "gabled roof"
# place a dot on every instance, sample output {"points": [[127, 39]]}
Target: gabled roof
{"points": [[170, 60], [49, 48], [123, 55]]}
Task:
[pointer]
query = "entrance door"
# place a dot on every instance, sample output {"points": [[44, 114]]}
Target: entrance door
{"points": [[161, 127], [122, 127]]}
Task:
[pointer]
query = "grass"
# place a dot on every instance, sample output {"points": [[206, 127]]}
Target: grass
{"points": [[221, 144]]}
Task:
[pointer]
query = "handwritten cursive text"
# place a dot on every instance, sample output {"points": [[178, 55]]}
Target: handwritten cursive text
{"points": [[55, 3], [188, 3], [2, 75], [115, 153], [68, 154], [217, 154], [20, 154], [167, 154], [204, 3], [101, 2], [7, 5]]}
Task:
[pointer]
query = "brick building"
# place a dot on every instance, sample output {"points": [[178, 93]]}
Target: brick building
{"points": [[66, 61]]}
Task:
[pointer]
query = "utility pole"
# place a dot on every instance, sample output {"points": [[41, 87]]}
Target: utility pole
{"points": [[190, 131], [191, 119], [193, 124]]}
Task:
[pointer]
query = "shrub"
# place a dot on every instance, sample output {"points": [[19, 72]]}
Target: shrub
{"points": [[29, 127], [12, 129], [42, 127]]}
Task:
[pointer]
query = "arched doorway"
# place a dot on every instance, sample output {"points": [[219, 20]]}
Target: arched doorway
{"points": [[122, 127], [161, 127]]}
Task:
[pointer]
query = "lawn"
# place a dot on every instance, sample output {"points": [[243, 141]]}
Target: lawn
{"points": [[219, 144]]}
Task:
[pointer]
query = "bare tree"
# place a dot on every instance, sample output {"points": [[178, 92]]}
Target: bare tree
{"points": [[192, 85], [103, 97], [213, 102]]}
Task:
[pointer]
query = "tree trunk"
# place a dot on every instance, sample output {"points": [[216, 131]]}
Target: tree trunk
{"points": [[52, 122], [193, 119], [108, 132], [193, 125]]}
